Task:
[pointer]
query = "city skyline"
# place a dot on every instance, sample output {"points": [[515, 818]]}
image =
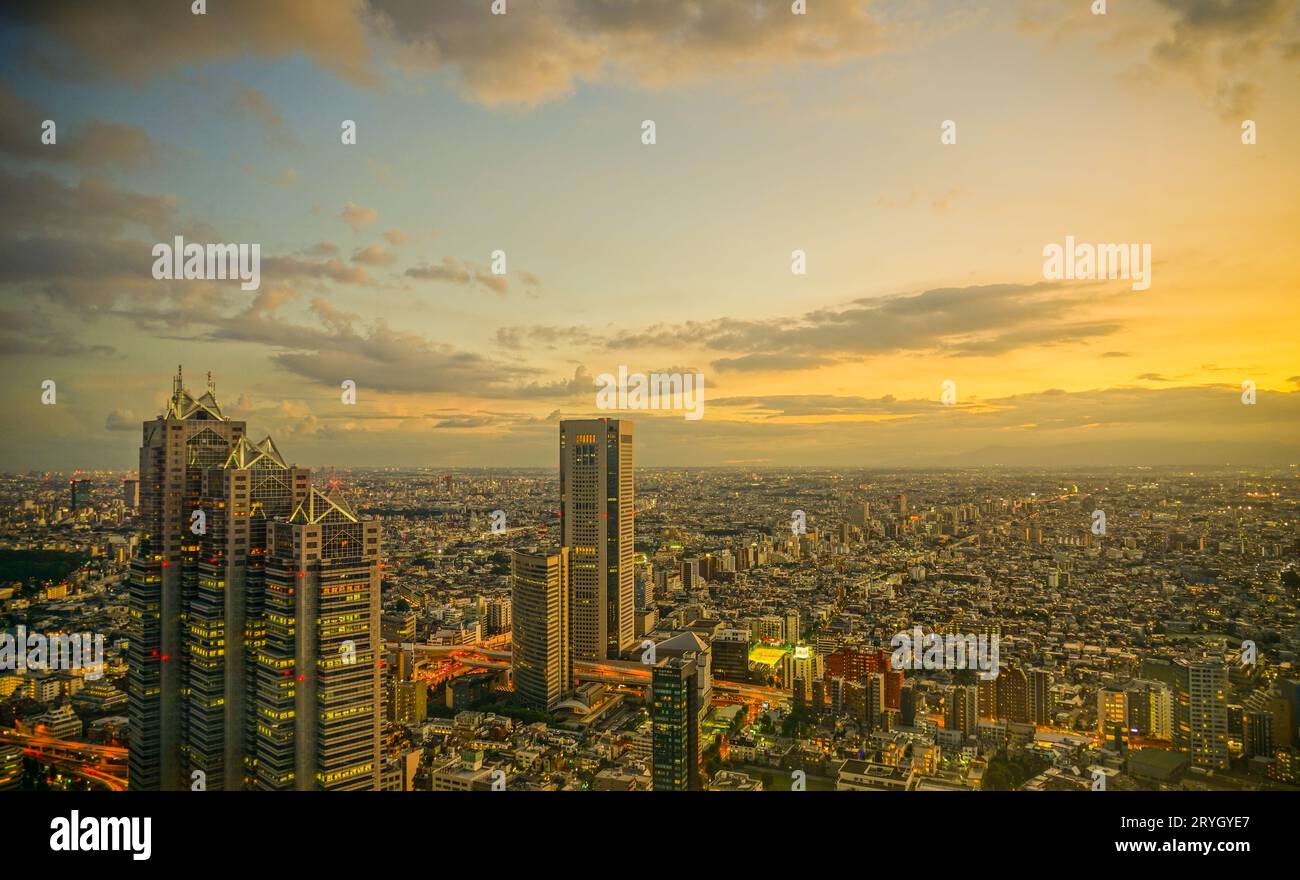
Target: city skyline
{"points": [[822, 134], [651, 395]]}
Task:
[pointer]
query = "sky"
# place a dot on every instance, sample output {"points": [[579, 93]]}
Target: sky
{"points": [[774, 132]]}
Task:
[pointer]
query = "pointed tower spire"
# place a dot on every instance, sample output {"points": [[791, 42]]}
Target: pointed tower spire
{"points": [[178, 390]]}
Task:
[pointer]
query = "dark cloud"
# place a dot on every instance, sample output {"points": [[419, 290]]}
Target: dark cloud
{"points": [[534, 53], [134, 39], [92, 144], [122, 420], [970, 321]]}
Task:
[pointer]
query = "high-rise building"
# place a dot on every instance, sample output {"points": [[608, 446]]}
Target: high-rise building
{"points": [[318, 693], [962, 708], [1112, 716], [131, 494], [222, 604], [596, 515], [540, 620], [1041, 706], [875, 685], [675, 713], [189, 436], [690, 573], [78, 494], [1013, 694], [1201, 713], [731, 654]]}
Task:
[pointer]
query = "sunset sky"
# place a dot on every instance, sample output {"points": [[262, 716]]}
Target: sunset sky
{"points": [[775, 132]]}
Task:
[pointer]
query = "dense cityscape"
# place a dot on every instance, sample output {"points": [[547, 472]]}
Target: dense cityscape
{"points": [[607, 627]]}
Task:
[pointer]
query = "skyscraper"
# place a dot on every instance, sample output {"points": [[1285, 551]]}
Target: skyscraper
{"points": [[962, 714], [318, 678], [596, 498], [190, 435], [675, 713], [1201, 713], [540, 626], [1041, 707], [79, 494], [223, 602]]}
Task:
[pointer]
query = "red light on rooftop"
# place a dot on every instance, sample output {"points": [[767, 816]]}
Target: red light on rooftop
{"points": [[302, 678], [166, 657]]}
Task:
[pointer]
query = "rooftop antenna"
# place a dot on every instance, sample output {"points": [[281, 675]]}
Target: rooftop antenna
{"points": [[177, 387]]}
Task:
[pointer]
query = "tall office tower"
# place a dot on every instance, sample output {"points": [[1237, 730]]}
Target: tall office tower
{"points": [[860, 515], [78, 494], [893, 688], [644, 589], [731, 654], [1041, 708], [675, 711], [690, 572], [499, 615], [1201, 713], [189, 436], [222, 604], [1013, 695], [902, 504], [962, 714], [596, 522], [131, 494], [318, 701], [907, 704], [987, 701], [539, 600], [792, 631], [875, 683]]}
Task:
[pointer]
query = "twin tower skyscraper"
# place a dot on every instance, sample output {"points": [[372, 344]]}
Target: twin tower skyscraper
{"points": [[254, 598], [576, 602]]}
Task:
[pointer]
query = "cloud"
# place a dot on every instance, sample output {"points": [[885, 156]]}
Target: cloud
{"points": [[356, 216], [375, 255], [535, 53], [28, 331], [37, 203], [122, 420], [396, 237], [540, 52], [969, 321], [91, 144], [548, 337], [332, 269], [452, 271], [137, 39], [257, 103], [1221, 47]]}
